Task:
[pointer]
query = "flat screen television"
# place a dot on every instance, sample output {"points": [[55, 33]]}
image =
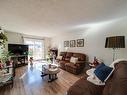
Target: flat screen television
{"points": [[18, 49]]}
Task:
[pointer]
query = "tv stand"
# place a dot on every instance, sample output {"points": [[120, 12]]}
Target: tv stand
{"points": [[20, 54], [20, 60]]}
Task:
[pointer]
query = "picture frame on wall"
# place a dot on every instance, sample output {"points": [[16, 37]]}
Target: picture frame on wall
{"points": [[72, 43], [80, 42], [66, 43]]}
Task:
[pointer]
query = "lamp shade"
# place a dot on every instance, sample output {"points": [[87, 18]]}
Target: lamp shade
{"points": [[115, 42]]}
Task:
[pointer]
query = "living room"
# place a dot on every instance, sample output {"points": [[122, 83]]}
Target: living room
{"points": [[56, 22]]}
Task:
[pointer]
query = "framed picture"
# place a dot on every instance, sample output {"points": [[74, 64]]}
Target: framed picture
{"points": [[80, 42], [66, 43], [72, 43]]}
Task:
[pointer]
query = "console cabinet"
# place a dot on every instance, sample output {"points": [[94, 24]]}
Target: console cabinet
{"points": [[20, 60]]}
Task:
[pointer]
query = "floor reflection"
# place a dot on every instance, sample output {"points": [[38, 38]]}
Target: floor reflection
{"points": [[33, 75], [31, 67]]}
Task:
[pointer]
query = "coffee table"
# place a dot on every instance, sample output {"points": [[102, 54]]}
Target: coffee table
{"points": [[51, 70]]}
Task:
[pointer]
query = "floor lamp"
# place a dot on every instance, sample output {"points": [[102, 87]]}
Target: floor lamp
{"points": [[115, 42]]}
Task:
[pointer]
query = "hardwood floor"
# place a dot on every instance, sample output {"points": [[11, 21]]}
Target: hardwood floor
{"points": [[29, 82]]}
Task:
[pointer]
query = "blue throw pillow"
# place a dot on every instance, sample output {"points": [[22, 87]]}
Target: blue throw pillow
{"points": [[103, 72]]}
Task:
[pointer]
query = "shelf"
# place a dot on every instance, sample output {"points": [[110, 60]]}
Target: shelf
{"points": [[19, 55], [20, 60]]}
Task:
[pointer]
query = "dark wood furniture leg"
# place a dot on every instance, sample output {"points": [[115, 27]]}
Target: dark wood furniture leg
{"points": [[52, 77]]}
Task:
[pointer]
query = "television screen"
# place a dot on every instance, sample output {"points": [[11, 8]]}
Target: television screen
{"points": [[18, 49]]}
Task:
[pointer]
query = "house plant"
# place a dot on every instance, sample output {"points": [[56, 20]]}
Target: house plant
{"points": [[5, 57], [3, 38]]}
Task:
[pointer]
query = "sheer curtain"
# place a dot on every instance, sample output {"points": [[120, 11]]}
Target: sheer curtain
{"points": [[36, 48]]}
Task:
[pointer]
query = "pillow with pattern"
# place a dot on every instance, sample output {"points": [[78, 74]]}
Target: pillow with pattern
{"points": [[103, 72]]}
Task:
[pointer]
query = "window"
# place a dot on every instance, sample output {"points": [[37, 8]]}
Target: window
{"points": [[36, 48]]}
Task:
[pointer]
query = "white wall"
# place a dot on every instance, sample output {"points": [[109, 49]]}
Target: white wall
{"points": [[17, 38], [14, 38], [94, 38]]}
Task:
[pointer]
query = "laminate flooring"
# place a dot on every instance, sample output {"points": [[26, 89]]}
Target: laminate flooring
{"points": [[28, 81]]}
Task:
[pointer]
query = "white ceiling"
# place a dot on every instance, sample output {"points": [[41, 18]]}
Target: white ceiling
{"points": [[51, 17]]}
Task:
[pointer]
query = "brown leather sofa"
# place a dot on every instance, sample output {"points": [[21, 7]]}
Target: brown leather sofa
{"points": [[115, 85], [70, 67]]}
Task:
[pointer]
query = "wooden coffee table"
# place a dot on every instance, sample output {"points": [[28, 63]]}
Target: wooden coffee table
{"points": [[51, 70]]}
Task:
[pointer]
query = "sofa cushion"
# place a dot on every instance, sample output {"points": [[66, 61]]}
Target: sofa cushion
{"points": [[103, 72], [76, 66], [69, 54], [63, 62], [63, 54], [59, 57], [69, 64], [67, 59], [73, 60], [81, 57]]}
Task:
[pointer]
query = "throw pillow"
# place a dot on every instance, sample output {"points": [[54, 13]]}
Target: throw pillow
{"points": [[103, 72], [73, 60], [59, 57]]}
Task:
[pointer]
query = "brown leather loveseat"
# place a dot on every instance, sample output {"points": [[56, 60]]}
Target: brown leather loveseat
{"points": [[69, 66], [115, 85]]}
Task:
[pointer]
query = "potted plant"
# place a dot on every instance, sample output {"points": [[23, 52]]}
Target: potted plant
{"points": [[5, 56], [3, 38]]}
